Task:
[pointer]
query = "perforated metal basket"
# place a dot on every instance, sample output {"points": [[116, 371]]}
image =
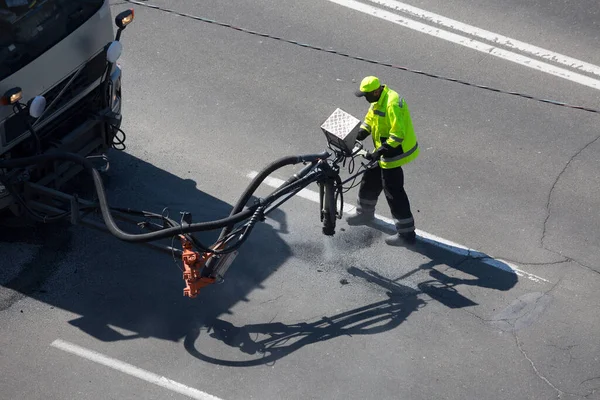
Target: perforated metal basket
{"points": [[341, 130]]}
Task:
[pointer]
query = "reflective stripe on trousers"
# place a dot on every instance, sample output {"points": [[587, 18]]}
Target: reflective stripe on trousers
{"points": [[365, 205], [391, 181], [405, 225]]}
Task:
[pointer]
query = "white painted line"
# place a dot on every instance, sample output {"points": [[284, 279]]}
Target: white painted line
{"points": [[387, 224], [495, 38], [132, 370], [470, 43]]}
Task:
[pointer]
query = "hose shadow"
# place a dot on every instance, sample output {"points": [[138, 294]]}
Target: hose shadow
{"points": [[123, 291], [275, 340]]}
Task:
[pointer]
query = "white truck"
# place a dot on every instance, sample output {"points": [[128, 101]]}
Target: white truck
{"points": [[60, 90]]}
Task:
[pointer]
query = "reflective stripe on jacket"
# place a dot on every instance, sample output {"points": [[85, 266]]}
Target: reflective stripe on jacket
{"points": [[390, 125]]}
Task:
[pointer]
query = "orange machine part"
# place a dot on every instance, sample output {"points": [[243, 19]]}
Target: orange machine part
{"points": [[193, 262]]}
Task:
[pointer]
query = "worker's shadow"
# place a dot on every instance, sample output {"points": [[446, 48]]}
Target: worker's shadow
{"points": [[473, 268], [119, 290], [267, 342], [275, 340]]}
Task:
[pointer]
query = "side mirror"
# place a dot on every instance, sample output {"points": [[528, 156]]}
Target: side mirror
{"points": [[114, 51], [11, 96], [122, 20], [37, 106]]}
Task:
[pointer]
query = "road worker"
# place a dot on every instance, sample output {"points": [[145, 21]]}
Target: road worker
{"points": [[389, 123]]}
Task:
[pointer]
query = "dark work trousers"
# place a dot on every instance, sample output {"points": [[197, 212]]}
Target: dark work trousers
{"points": [[391, 181]]}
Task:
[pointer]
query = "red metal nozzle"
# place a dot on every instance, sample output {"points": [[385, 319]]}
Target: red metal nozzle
{"points": [[193, 262]]}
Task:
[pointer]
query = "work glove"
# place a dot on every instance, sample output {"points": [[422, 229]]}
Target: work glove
{"points": [[373, 155], [362, 135]]}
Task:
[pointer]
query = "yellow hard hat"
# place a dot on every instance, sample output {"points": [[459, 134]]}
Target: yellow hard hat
{"points": [[368, 84]]}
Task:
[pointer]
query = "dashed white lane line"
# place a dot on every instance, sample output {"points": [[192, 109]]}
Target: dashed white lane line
{"points": [[469, 42], [387, 224], [492, 37], [132, 370]]}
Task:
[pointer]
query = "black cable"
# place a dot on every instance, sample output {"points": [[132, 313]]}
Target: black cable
{"points": [[294, 186], [117, 141], [105, 209], [165, 233], [261, 176], [244, 229], [258, 179], [256, 217], [173, 254], [280, 202], [19, 111], [195, 241], [351, 165], [226, 223], [355, 177]]}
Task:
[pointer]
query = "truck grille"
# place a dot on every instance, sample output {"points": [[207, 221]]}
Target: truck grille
{"points": [[15, 126], [71, 118], [92, 71]]}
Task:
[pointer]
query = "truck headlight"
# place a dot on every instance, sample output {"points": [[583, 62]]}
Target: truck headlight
{"points": [[11, 96], [124, 18]]}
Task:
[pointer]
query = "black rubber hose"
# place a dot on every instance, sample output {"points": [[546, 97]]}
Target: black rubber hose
{"points": [[262, 175], [226, 223], [247, 194], [164, 233], [294, 179], [105, 209]]}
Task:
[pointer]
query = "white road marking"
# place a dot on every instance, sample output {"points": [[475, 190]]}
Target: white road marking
{"points": [[436, 31], [387, 224], [495, 38], [132, 370]]}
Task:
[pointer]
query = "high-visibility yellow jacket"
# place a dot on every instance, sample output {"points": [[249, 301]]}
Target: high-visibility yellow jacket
{"points": [[390, 125]]}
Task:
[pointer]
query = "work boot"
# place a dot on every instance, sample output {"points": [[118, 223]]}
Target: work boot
{"points": [[360, 218], [402, 239]]}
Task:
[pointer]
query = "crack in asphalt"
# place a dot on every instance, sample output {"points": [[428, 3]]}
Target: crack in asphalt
{"points": [[520, 347], [590, 379], [271, 300], [569, 259], [563, 258], [549, 201], [512, 322], [591, 393], [537, 372]]}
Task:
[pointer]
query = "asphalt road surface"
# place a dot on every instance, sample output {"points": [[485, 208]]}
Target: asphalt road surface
{"points": [[499, 300]]}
